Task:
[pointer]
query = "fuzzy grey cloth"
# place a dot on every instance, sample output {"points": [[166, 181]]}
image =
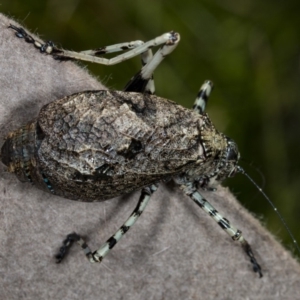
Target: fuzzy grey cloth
{"points": [[175, 251]]}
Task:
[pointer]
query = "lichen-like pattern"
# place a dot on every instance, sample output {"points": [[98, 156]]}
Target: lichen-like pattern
{"points": [[96, 145]]}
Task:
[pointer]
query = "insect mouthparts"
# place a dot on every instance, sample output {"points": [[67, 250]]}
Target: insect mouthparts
{"points": [[239, 169]]}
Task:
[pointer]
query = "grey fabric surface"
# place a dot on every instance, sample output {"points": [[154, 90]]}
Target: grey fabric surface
{"points": [[174, 251]]}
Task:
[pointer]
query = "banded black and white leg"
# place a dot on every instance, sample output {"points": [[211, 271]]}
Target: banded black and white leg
{"points": [[202, 97], [142, 81], [98, 255], [234, 233]]}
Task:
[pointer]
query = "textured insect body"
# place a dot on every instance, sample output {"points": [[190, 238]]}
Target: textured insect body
{"points": [[95, 145], [98, 145]]}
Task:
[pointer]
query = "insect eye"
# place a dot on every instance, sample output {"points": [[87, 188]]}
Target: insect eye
{"points": [[232, 150], [232, 154]]}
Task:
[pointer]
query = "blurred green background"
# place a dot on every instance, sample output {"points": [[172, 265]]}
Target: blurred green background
{"points": [[251, 51]]}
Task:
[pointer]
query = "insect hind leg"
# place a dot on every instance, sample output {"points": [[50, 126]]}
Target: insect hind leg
{"points": [[98, 255], [67, 244], [47, 47], [142, 82], [234, 233], [87, 55], [202, 97]]}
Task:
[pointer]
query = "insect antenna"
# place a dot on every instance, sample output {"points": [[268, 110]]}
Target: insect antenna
{"points": [[257, 169], [242, 171]]}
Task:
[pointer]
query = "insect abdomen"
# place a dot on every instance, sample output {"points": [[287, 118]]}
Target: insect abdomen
{"points": [[19, 154], [18, 151]]}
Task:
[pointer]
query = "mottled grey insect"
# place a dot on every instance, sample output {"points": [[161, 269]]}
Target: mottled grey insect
{"points": [[96, 145]]}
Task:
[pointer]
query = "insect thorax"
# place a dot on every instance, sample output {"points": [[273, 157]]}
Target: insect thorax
{"points": [[221, 152], [218, 160]]}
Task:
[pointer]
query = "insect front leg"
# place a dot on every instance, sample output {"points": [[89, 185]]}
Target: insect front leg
{"points": [[234, 233], [98, 255]]}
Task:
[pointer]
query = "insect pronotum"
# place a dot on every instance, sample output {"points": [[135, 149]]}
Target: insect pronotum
{"points": [[96, 145]]}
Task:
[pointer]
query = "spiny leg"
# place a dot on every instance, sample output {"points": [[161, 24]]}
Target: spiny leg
{"points": [[150, 86], [136, 48], [234, 233], [98, 255], [113, 48], [202, 97], [46, 47], [49, 47], [143, 81], [147, 85], [136, 84], [146, 57]]}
